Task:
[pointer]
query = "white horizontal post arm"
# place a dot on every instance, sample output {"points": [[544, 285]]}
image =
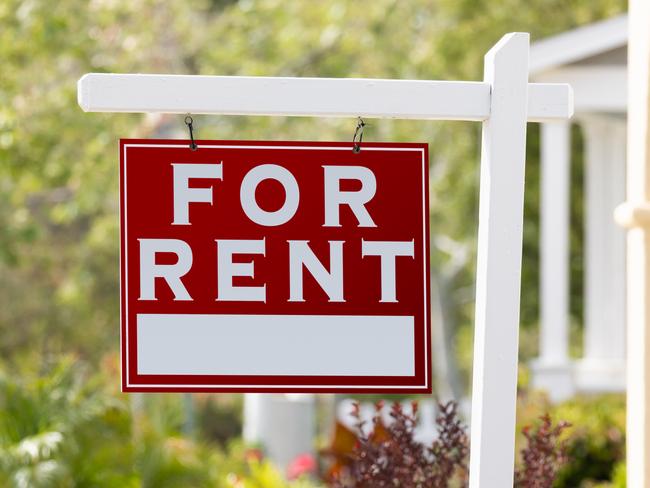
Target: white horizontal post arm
{"points": [[316, 97]]}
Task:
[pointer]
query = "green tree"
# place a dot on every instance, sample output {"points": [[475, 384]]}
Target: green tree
{"points": [[58, 165]]}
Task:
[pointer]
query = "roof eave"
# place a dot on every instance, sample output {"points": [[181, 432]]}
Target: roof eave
{"points": [[580, 43]]}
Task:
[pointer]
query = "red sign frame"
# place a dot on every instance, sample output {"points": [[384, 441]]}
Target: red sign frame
{"points": [[367, 329]]}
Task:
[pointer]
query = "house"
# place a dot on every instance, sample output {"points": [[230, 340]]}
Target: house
{"points": [[593, 59]]}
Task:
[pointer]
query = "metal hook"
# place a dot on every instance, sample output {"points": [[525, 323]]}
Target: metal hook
{"points": [[356, 144], [188, 122]]}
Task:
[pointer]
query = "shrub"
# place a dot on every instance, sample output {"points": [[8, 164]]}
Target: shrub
{"points": [[389, 456], [62, 427], [595, 444], [543, 456], [219, 418]]}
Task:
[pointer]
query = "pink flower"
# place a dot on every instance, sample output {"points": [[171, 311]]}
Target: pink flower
{"points": [[302, 464]]}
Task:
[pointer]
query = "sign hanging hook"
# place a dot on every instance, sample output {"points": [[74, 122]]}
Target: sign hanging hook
{"points": [[189, 121], [356, 143]]}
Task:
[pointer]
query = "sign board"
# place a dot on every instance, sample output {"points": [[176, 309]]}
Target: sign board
{"points": [[503, 103], [274, 266]]}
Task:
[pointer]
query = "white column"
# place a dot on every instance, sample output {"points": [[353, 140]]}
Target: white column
{"points": [[282, 424], [638, 247], [552, 371], [603, 365]]}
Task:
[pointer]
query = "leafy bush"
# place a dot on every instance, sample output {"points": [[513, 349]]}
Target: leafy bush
{"points": [[390, 456], [543, 456], [56, 427], [219, 418], [595, 444], [64, 427], [590, 454]]}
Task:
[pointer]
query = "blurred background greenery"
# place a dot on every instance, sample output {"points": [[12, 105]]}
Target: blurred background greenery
{"points": [[63, 421]]}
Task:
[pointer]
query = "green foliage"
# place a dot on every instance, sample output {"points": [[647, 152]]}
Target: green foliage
{"points": [[219, 418], [58, 427], [619, 480], [64, 428], [595, 440], [598, 438]]}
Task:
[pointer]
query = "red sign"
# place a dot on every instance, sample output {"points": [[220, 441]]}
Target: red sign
{"points": [[274, 267]]}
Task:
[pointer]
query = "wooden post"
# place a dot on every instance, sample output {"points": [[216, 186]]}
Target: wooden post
{"points": [[634, 215], [496, 336]]}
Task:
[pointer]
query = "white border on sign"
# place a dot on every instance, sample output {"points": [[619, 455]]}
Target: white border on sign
{"points": [[425, 214]]}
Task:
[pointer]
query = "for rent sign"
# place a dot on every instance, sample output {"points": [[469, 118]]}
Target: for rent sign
{"points": [[274, 266]]}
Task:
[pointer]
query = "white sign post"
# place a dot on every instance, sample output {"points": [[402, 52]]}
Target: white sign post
{"points": [[498, 275], [503, 102]]}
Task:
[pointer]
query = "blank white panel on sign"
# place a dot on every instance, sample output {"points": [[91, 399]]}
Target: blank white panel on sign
{"points": [[346, 345]]}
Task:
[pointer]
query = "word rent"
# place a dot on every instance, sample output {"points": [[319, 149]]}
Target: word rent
{"points": [[300, 255]]}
